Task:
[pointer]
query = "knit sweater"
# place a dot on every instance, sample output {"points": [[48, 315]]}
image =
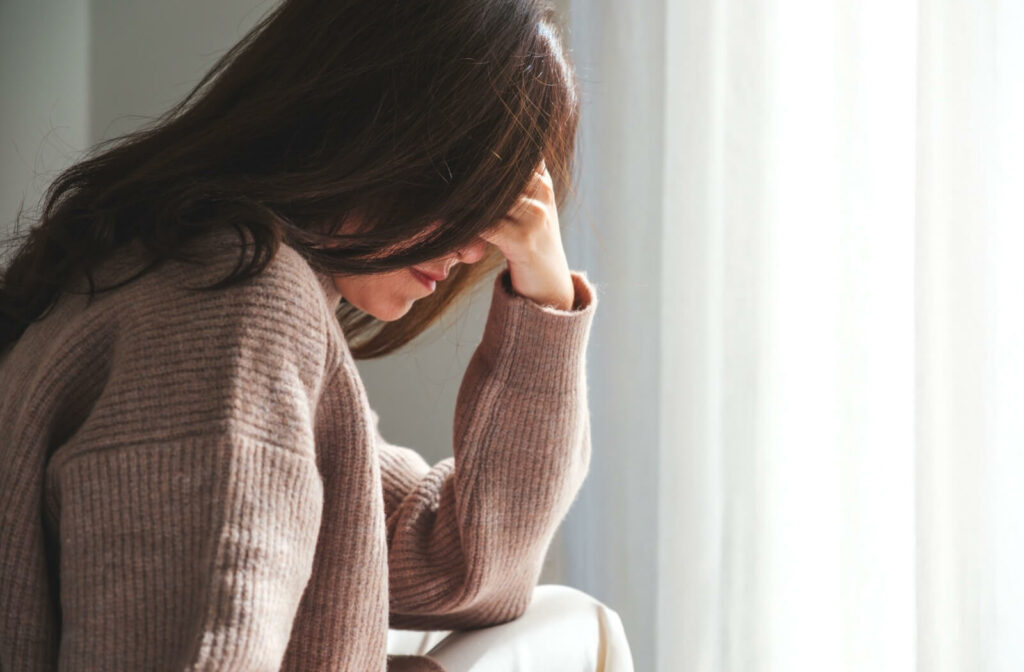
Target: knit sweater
{"points": [[195, 480]]}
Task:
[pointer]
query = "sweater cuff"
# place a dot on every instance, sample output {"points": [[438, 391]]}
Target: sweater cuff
{"points": [[536, 347]]}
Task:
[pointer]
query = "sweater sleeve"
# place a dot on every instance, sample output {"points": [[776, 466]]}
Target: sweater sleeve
{"points": [[467, 536], [189, 503]]}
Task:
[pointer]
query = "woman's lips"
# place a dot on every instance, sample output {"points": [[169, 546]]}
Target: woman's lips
{"points": [[428, 282]]}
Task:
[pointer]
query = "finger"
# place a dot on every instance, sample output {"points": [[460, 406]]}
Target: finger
{"points": [[540, 188], [522, 205], [542, 175]]}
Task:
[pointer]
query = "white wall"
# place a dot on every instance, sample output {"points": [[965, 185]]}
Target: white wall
{"points": [[44, 94], [147, 54], [610, 535]]}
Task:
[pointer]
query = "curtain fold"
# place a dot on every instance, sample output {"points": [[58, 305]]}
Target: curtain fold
{"points": [[833, 302]]}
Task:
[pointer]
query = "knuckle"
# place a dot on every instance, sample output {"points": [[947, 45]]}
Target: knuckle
{"points": [[536, 208]]}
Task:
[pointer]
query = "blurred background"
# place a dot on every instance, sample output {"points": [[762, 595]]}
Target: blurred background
{"points": [[805, 220]]}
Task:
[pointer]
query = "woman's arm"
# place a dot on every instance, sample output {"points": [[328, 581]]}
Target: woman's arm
{"points": [[468, 536]]}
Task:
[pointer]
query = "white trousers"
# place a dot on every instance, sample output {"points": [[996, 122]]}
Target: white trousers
{"points": [[563, 630]]}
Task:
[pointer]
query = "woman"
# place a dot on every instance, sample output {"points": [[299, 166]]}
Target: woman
{"points": [[193, 476]]}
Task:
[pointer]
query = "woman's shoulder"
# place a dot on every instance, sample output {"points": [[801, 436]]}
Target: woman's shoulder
{"points": [[286, 282], [172, 305], [287, 277], [286, 297]]}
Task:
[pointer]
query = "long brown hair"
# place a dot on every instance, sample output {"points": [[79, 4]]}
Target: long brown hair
{"points": [[425, 117]]}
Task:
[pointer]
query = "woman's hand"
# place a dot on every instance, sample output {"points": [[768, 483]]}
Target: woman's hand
{"points": [[530, 239]]}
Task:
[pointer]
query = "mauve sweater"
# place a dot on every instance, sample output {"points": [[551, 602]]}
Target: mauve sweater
{"points": [[196, 481]]}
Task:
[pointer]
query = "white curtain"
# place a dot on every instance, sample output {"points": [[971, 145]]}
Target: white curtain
{"points": [[807, 219]]}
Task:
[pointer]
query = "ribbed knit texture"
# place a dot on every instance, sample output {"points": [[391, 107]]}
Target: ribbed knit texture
{"points": [[196, 481]]}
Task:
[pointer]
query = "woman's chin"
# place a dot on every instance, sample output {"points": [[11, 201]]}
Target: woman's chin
{"points": [[389, 312]]}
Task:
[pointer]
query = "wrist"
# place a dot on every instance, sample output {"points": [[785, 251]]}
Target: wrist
{"points": [[556, 291]]}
